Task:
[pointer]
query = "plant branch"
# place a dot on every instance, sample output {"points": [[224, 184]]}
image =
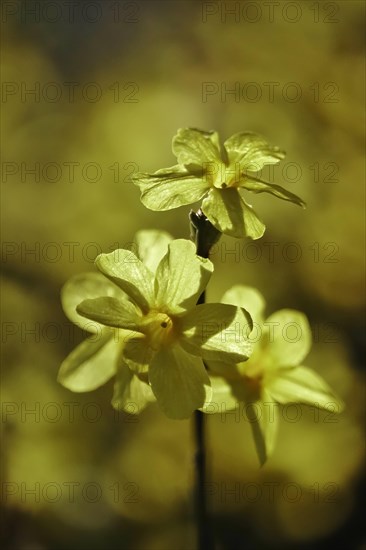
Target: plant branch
{"points": [[204, 234]]}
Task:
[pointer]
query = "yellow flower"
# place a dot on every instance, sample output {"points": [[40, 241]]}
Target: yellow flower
{"points": [[273, 374], [165, 335], [218, 173]]}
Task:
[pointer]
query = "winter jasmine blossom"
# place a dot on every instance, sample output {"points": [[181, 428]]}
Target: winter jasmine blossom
{"points": [[273, 374], [220, 174], [165, 336]]}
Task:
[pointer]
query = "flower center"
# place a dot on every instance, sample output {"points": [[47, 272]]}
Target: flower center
{"points": [[253, 374], [222, 175], [159, 329], [253, 370]]}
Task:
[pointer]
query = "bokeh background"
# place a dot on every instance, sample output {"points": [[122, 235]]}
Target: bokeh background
{"points": [[112, 82]]}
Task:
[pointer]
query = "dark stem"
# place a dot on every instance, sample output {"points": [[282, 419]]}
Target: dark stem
{"points": [[205, 538], [205, 236]]}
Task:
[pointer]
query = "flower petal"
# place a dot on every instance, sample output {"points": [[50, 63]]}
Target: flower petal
{"points": [[179, 381], [248, 298], [181, 276], [81, 287], [287, 338], [252, 151], [302, 385], [193, 146], [131, 394], [171, 187], [91, 364], [222, 399], [230, 214], [258, 186], [229, 371], [130, 274], [151, 246], [263, 416], [112, 312], [217, 332], [137, 353]]}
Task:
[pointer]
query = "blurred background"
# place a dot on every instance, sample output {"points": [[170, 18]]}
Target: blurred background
{"points": [[91, 93]]}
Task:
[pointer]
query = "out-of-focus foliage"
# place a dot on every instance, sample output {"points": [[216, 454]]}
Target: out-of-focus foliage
{"points": [[132, 479]]}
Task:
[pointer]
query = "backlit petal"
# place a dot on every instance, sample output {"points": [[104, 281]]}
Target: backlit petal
{"points": [[287, 338], [193, 146], [217, 332], [252, 151], [82, 287], [179, 381], [130, 274], [151, 245], [171, 187], [91, 364], [302, 385], [112, 312], [131, 394], [230, 214], [181, 276]]}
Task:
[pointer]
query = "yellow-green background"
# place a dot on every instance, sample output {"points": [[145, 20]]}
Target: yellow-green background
{"points": [[168, 53]]}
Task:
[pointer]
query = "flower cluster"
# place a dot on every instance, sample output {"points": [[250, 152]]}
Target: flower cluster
{"points": [[141, 311]]}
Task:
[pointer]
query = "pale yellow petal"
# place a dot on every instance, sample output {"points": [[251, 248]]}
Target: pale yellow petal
{"points": [[179, 381]]}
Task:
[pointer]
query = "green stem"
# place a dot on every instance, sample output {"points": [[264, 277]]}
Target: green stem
{"points": [[205, 236]]}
